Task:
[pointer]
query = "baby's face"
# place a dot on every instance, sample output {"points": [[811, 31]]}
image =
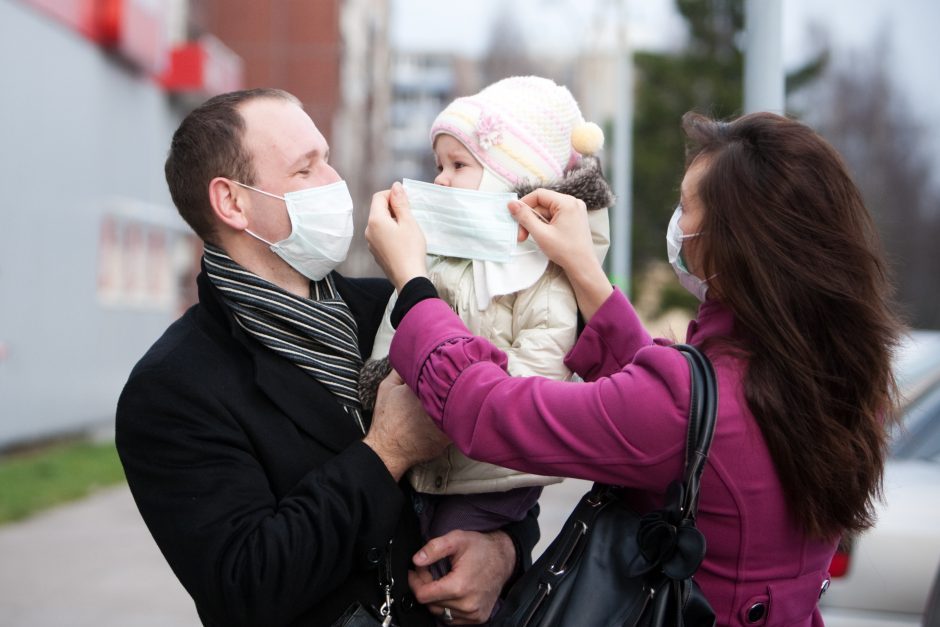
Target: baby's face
{"points": [[456, 167]]}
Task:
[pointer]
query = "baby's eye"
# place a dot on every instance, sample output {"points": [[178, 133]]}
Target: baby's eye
{"points": [[440, 168], [459, 164]]}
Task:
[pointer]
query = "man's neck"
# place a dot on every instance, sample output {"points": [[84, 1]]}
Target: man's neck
{"points": [[259, 259]]}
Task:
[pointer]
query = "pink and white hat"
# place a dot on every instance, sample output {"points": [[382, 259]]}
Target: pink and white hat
{"points": [[521, 129]]}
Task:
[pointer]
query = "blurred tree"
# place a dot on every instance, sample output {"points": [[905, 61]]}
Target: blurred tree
{"points": [[706, 76], [860, 110]]}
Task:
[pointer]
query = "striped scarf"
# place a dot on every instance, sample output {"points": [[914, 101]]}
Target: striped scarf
{"points": [[317, 334]]}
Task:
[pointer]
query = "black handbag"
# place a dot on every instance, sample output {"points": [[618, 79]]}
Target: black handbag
{"points": [[610, 565], [357, 615]]}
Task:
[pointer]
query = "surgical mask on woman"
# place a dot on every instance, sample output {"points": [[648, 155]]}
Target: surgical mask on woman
{"points": [[674, 238], [321, 221]]}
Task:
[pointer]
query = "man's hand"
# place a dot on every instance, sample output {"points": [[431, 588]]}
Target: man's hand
{"points": [[402, 434], [481, 564]]}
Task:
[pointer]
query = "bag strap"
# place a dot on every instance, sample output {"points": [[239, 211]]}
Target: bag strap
{"points": [[703, 410]]}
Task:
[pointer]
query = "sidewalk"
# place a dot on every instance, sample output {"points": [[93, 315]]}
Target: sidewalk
{"points": [[92, 563]]}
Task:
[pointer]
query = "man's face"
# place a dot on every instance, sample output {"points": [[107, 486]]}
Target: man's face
{"points": [[288, 153]]}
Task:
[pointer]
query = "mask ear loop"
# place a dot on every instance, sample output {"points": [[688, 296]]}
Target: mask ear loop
{"points": [[685, 265], [260, 191], [258, 237], [681, 257]]}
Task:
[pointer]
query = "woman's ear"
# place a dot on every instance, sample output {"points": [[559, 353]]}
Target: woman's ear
{"points": [[228, 203]]}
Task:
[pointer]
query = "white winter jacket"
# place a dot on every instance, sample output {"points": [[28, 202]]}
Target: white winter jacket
{"points": [[535, 327]]}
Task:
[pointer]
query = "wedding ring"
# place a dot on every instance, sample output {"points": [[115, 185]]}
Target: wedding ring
{"points": [[447, 617]]}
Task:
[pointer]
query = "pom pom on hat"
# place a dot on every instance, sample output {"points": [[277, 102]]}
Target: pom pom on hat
{"points": [[587, 138]]}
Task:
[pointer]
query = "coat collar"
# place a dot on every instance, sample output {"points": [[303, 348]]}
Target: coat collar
{"points": [[714, 318], [301, 397]]}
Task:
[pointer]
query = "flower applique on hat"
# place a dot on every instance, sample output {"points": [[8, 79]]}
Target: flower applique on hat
{"points": [[489, 130]]}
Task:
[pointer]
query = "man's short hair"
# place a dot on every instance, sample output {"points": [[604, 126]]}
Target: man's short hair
{"points": [[208, 144]]}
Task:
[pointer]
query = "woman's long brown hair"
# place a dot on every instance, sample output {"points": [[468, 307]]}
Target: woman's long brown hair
{"points": [[797, 258]]}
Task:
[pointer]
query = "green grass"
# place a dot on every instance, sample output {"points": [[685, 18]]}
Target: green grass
{"points": [[35, 480]]}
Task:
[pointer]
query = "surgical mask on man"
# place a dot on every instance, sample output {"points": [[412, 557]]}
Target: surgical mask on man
{"points": [[463, 223], [674, 238], [321, 221]]}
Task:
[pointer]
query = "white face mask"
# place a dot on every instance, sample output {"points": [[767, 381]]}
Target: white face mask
{"points": [[464, 223], [321, 221], [674, 238]]}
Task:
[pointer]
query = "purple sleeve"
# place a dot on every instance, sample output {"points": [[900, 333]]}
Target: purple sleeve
{"points": [[625, 428], [609, 341]]}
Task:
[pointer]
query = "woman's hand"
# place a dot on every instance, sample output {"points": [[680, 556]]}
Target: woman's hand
{"points": [[401, 433], [395, 238], [564, 235]]}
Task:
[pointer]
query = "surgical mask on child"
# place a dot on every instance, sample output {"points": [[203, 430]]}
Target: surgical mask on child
{"points": [[674, 238], [463, 223], [321, 221]]}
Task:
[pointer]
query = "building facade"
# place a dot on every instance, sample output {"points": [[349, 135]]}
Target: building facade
{"points": [[94, 259]]}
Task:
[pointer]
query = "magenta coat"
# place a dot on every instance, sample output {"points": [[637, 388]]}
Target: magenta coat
{"points": [[626, 425]]}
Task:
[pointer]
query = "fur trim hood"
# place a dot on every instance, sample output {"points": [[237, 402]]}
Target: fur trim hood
{"points": [[585, 182]]}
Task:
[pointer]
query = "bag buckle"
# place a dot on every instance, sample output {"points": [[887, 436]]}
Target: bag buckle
{"points": [[560, 565]]}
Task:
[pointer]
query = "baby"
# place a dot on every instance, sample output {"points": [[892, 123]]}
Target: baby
{"points": [[516, 135]]}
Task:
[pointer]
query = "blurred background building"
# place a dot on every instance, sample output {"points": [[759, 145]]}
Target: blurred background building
{"points": [[422, 85], [95, 262]]}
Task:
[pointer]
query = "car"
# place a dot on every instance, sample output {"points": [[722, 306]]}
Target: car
{"points": [[884, 576], [932, 611]]}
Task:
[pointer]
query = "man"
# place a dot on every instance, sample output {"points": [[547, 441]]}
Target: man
{"points": [[240, 430]]}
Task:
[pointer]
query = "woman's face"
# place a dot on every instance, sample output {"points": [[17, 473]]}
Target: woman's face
{"points": [[693, 213]]}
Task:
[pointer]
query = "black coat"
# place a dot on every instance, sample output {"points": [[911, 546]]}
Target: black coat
{"points": [[254, 481]]}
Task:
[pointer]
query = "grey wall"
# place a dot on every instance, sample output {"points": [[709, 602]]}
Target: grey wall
{"points": [[83, 137]]}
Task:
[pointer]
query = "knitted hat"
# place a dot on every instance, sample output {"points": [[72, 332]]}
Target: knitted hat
{"points": [[521, 129]]}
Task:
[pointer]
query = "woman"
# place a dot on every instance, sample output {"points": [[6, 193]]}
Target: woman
{"points": [[772, 236]]}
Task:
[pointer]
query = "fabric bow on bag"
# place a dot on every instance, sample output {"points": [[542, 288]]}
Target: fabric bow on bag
{"points": [[669, 543]]}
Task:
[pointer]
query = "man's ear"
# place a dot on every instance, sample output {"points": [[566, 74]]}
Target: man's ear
{"points": [[228, 204]]}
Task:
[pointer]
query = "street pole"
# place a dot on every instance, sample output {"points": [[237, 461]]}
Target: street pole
{"points": [[621, 222], [764, 79]]}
